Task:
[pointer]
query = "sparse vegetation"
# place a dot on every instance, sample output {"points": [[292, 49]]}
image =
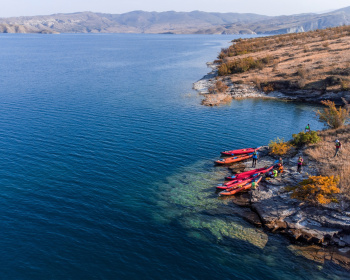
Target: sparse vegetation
{"points": [[345, 85], [310, 56], [302, 72], [219, 87], [325, 44], [242, 65], [257, 82], [268, 88], [323, 153], [301, 83]]}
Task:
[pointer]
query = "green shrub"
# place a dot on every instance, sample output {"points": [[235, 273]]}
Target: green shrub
{"points": [[304, 138]]}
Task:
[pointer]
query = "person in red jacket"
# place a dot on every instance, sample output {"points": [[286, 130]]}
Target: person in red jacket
{"points": [[337, 147]]}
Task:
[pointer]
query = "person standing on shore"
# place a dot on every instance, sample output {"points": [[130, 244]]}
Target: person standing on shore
{"points": [[300, 163], [337, 147], [255, 158], [307, 128]]}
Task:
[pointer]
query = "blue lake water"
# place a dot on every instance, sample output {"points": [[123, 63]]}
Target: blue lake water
{"points": [[106, 163]]}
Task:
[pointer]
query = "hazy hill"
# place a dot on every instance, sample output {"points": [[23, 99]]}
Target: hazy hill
{"points": [[174, 22]]}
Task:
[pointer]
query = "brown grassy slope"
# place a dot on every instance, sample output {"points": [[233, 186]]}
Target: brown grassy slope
{"points": [[323, 152], [311, 60]]}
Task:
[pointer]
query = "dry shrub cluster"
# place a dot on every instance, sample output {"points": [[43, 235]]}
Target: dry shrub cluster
{"points": [[325, 44], [332, 116], [301, 83], [219, 87], [317, 189], [242, 65], [345, 85], [302, 72], [255, 80], [328, 165], [268, 88], [243, 46]]}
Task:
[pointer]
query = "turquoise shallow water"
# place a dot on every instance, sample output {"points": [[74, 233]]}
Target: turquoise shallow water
{"points": [[106, 163]]}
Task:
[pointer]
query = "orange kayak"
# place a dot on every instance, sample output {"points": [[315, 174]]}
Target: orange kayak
{"points": [[239, 189], [230, 160]]}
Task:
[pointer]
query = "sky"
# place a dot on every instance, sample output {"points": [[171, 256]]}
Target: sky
{"points": [[264, 7]]}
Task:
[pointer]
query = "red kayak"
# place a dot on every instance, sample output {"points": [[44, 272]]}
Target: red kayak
{"points": [[237, 190], [242, 175], [233, 159], [236, 183], [239, 151]]}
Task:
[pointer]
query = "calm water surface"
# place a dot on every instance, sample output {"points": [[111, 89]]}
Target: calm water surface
{"points": [[106, 163]]}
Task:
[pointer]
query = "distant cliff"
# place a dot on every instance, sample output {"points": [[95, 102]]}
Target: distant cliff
{"points": [[195, 22]]}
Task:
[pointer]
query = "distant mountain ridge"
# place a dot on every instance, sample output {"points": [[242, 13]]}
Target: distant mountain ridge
{"points": [[195, 22]]}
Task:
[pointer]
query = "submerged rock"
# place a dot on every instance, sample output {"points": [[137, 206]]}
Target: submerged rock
{"points": [[188, 198]]}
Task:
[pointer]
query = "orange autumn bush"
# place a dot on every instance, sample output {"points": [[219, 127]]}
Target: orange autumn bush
{"points": [[279, 147], [317, 189]]}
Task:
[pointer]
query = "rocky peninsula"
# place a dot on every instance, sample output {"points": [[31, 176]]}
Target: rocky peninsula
{"points": [[307, 67], [326, 228], [310, 67]]}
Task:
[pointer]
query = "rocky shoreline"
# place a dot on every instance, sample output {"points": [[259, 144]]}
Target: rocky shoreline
{"points": [[234, 91], [243, 91], [326, 229]]}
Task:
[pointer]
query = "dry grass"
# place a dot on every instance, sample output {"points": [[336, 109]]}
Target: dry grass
{"points": [[323, 153], [311, 57]]}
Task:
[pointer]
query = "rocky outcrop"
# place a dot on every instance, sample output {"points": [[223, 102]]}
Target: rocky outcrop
{"points": [[328, 226], [234, 90]]}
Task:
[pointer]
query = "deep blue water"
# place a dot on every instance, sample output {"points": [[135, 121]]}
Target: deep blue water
{"points": [[106, 163]]}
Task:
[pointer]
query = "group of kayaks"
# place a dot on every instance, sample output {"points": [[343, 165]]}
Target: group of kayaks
{"points": [[236, 155], [241, 181]]}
